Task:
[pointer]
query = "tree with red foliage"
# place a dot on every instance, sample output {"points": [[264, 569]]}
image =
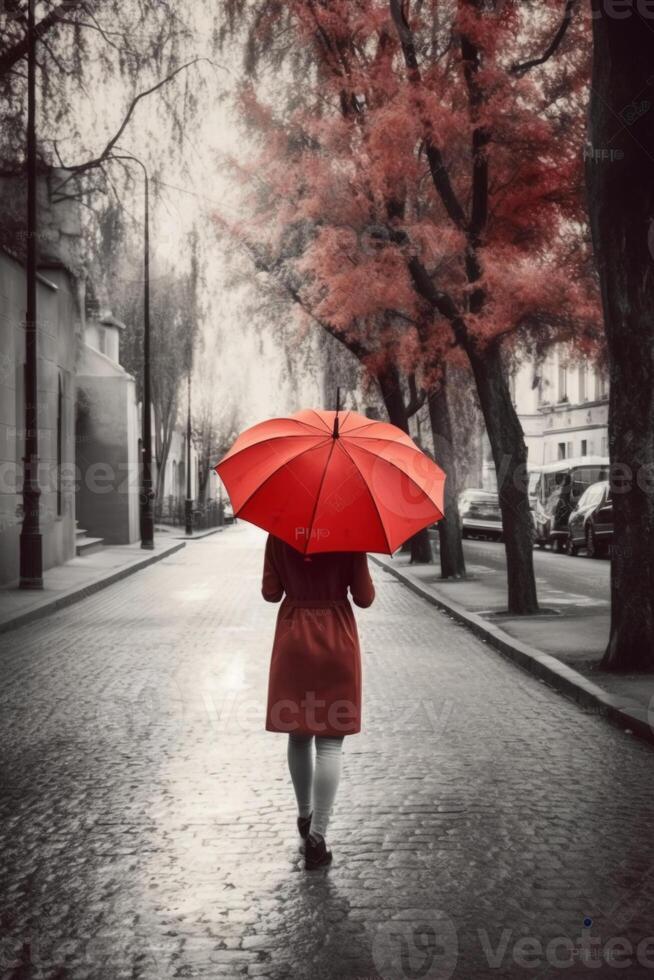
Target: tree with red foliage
{"points": [[376, 349], [433, 189]]}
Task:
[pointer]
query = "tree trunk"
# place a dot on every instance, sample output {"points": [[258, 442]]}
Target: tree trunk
{"points": [[391, 390], [510, 458], [204, 478], [449, 528], [620, 181]]}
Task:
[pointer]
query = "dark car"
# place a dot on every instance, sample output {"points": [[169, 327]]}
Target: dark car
{"points": [[480, 514], [560, 487], [591, 523]]}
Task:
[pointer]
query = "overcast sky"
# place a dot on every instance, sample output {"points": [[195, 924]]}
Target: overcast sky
{"points": [[248, 366]]}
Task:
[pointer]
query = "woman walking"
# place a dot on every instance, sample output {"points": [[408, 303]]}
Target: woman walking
{"points": [[314, 686]]}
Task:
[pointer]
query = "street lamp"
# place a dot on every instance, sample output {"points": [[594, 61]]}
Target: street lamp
{"points": [[31, 553], [188, 510], [147, 493]]}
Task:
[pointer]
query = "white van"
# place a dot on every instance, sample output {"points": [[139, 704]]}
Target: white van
{"points": [[558, 489]]}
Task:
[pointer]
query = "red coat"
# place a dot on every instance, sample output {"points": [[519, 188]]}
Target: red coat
{"points": [[314, 684]]}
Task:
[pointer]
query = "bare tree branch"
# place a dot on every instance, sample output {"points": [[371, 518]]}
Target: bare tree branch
{"points": [[76, 169], [106, 35], [95, 161], [64, 69], [10, 56], [520, 69]]}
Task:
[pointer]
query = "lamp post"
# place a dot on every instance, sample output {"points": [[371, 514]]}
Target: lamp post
{"points": [[31, 554], [188, 509], [146, 493]]}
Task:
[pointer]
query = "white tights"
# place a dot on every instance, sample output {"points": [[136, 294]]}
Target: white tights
{"points": [[315, 789]]}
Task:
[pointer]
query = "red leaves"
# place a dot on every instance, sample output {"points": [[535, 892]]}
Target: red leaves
{"points": [[347, 283], [359, 150]]}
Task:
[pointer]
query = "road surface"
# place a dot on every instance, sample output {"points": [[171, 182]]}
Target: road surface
{"points": [[485, 826]]}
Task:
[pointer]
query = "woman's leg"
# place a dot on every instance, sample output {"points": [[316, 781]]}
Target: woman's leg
{"points": [[325, 782], [300, 764]]}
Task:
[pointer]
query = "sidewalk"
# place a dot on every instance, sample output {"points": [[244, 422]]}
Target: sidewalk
{"points": [[562, 646], [78, 578], [177, 532]]}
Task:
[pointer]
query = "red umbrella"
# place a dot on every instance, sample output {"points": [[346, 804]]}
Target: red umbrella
{"points": [[327, 483]]}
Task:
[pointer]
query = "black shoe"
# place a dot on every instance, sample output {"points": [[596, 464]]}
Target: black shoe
{"points": [[304, 826], [316, 854]]}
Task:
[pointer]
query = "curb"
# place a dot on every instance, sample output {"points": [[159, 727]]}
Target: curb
{"points": [[196, 537], [200, 534], [621, 711], [77, 594]]}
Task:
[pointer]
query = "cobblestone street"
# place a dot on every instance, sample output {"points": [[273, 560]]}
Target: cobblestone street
{"points": [[148, 820]]}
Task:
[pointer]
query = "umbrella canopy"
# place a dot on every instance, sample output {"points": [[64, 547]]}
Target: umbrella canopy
{"points": [[328, 482]]}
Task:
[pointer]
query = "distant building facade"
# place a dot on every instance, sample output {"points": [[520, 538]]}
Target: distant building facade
{"points": [[171, 506], [59, 328], [107, 436], [563, 407]]}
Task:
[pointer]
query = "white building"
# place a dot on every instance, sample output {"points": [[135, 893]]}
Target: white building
{"points": [[563, 407], [59, 319], [562, 404], [173, 484], [107, 436]]}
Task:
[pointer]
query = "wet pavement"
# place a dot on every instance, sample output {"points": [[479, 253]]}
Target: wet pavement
{"points": [[485, 826]]}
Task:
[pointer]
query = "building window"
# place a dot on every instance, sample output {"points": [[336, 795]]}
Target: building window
{"points": [[563, 383], [584, 447], [605, 445], [60, 446], [601, 386], [561, 450]]}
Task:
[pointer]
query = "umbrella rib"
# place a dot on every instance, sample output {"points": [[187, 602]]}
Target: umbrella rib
{"points": [[392, 442], [315, 506], [364, 425], [395, 442], [363, 479], [400, 470], [276, 470], [265, 438], [324, 427]]}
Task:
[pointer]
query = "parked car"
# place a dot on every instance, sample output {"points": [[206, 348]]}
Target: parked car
{"points": [[591, 522], [480, 514], [559, 489], [532, 490]]}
